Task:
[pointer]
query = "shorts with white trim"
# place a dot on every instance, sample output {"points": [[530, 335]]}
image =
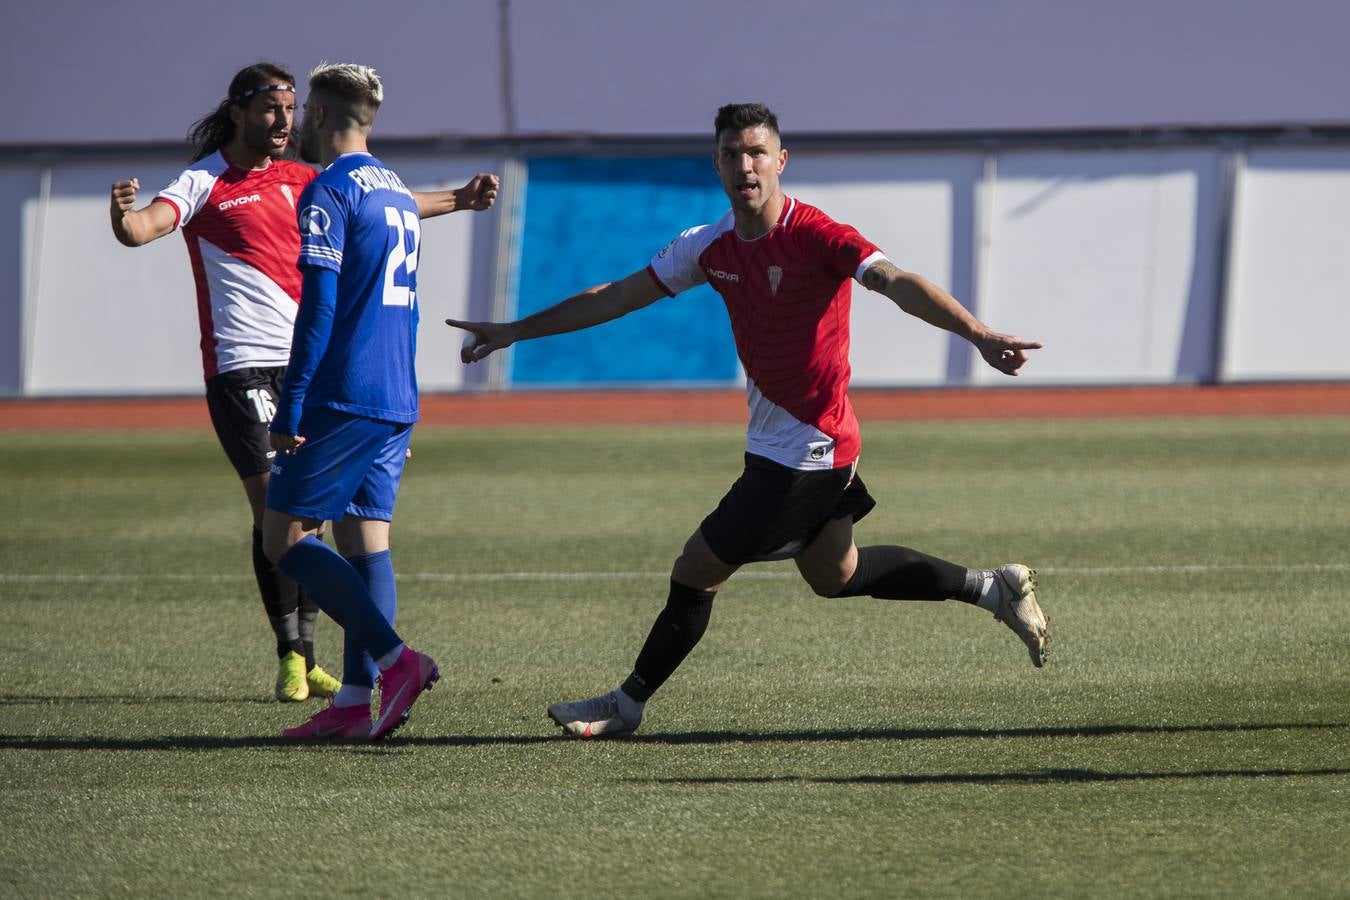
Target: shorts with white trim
{"points": [[348, 465], [775, 512]]}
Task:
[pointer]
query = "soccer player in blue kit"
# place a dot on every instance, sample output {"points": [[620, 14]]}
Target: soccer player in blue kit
{"points": [[349, 401]]}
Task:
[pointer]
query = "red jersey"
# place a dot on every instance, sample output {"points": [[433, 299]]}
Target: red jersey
{"points": [[243, 241], [789, 297]]}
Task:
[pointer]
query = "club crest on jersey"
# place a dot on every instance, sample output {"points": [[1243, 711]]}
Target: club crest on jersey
{"points": [[314, 220], [775, 279]]}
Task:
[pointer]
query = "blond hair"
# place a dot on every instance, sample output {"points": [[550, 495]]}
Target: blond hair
{"points": [[358, 86]]}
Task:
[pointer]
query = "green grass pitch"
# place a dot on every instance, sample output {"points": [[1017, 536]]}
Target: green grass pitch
{"points": [[1189, 737]]}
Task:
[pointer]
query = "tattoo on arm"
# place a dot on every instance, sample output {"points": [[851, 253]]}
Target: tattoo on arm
{"points": [[879, 274]]}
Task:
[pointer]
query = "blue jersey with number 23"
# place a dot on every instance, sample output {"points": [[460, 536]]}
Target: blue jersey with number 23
{"points": [[359, 220]]}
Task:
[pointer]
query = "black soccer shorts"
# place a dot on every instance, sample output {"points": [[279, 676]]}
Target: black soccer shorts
{"points": [[242, 403], [774, 512]]}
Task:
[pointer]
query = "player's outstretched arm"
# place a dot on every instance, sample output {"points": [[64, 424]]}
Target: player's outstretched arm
{"points": [[593, 306], [134, 227], [479, 194], [925, 300]]}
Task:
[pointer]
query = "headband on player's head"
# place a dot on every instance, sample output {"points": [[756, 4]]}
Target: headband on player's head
{"points": [[240, 98]]}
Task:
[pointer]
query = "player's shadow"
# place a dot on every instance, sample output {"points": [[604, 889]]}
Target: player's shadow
{"points": [[163, 744], [930, 734], [1039, 776], [191, 743], [127, 700], [212, 743]]}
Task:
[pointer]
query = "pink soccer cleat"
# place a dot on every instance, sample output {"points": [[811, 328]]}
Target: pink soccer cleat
{"points": [[334, 723], [400, 686]]}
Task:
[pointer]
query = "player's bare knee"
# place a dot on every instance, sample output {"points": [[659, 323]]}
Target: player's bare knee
{"points": [[275, 544], [696, 575], [276, 536], [828, 584]]}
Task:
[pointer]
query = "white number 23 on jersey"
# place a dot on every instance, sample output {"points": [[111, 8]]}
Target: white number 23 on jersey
{"points": [[402, 260]]}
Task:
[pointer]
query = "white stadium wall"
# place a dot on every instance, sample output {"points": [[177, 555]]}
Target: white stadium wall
{"points": [[1109, 258], [1289, 304], [917, 209], [1114, 258], [102, 319]]}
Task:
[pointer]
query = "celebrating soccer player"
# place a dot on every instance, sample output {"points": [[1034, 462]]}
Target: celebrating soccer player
{"points": [[783, 269], [236, 205]]}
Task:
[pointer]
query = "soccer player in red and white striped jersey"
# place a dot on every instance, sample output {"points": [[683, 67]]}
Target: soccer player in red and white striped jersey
{"points": [[784, 270], [236, 205]]}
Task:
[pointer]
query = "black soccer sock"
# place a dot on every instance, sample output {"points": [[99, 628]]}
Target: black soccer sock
{"points": [[899, 573], [280, 597], [308, 616], [676, 631]]}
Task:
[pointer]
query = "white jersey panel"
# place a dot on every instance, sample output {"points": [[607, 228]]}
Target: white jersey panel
{"points": [[189, 191], [253, 317], [677, 266], [776, 434]]}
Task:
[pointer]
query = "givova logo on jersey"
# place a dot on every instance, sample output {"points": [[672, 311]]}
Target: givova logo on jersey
{"points": [[238, 201]]}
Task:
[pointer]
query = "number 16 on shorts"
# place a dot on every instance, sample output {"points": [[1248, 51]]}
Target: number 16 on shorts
{"points": [[264, 407]]}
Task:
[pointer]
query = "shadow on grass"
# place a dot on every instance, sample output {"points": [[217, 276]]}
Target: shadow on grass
{"points": [[191, 743], [1042, 776], [930, 734], [126, 700], [209, 743]]}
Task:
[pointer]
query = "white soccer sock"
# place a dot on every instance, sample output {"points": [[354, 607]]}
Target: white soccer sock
{"points": [[353, 695], [990, 593], [629, 708], [389, 658]]}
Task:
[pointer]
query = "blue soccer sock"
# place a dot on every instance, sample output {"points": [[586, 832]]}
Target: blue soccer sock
{"points": [[377, 571], [339, 590]]}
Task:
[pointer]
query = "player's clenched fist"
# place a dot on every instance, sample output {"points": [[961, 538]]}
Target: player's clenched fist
{"points": [[479, 194], [124, 195]]}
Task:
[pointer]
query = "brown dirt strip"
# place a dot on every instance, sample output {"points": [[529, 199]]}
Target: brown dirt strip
{"points": [[728, 406]]}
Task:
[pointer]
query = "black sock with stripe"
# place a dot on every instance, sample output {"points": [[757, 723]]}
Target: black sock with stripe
{"points": [[675, 633], [899, 573], [280, 597]]}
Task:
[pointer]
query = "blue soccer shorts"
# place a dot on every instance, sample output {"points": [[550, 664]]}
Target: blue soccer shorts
{"points": [[348, 466]]}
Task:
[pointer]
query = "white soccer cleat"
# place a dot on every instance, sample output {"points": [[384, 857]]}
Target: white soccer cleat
{"points": [[1019, 610], [594, 718]]}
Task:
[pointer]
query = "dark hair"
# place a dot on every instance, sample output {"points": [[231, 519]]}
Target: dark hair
{"points": [[209, 133], [740, 116]]}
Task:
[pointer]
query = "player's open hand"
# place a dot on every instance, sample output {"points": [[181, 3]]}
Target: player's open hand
{"points": [[483, 339], [480, 193], [124, 195], [285, 443], [1005, 352]]}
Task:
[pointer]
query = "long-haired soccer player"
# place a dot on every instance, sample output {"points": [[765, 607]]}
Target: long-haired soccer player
{"points": [[236, 206]]}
